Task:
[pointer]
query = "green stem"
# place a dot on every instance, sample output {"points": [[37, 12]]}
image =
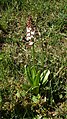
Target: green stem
{"points": [[33, 55]]}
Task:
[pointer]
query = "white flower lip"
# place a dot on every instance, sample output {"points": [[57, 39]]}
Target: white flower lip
{"points": [[28, 38], [28, 34], [31, 43], [32, 32], [32, 36], [28, 29]]}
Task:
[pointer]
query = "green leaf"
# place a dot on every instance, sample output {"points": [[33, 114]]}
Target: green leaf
{"points": [[42, 75], [37, 79], [35, 87], [46, 77], [28, 74], [33, 72]]}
